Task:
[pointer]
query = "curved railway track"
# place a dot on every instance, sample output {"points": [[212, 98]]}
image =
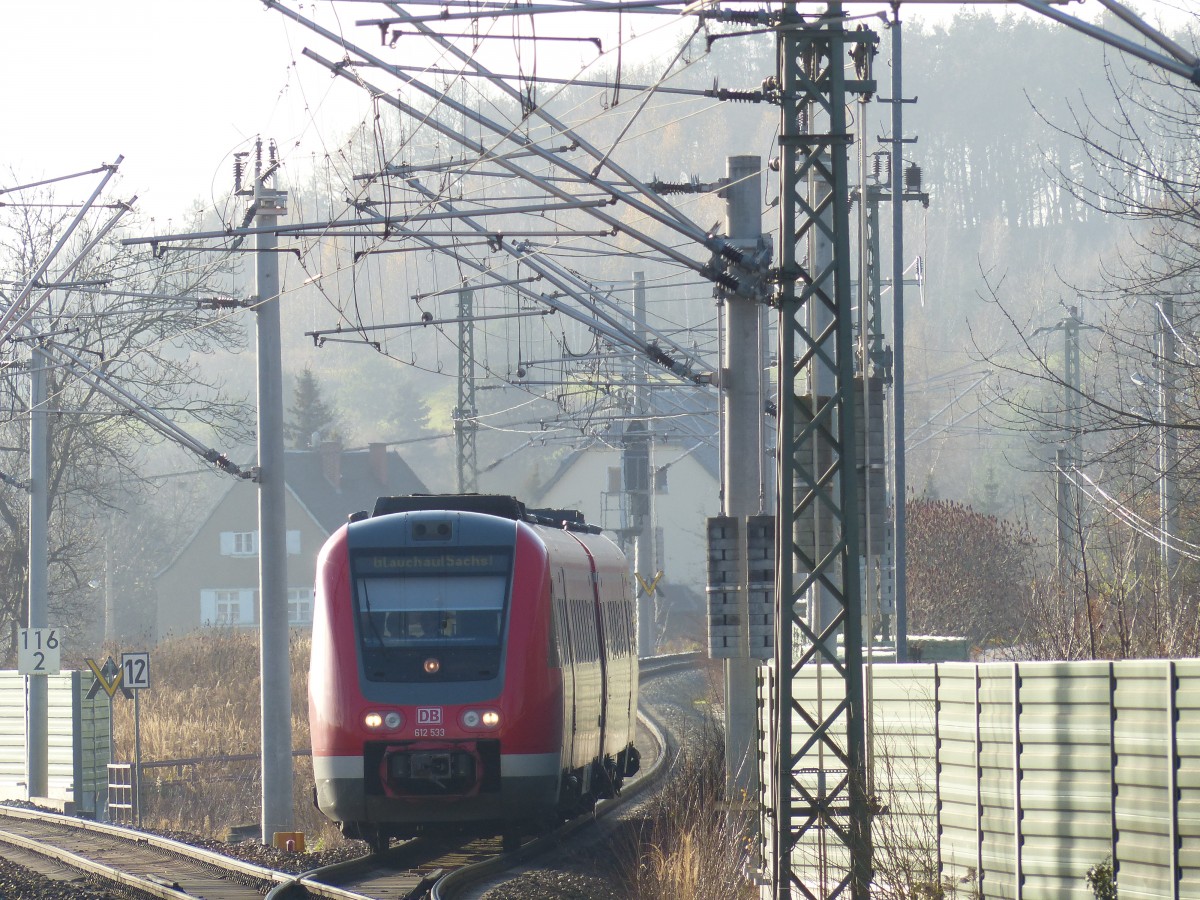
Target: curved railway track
{"points": [[444, 871], [61, 847], [142, 864]]}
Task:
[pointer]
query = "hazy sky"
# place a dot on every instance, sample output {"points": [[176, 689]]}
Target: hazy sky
{"points": [[176, 87]]}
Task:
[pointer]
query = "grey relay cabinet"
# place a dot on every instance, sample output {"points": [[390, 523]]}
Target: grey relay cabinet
{"points": [[80, 741]]}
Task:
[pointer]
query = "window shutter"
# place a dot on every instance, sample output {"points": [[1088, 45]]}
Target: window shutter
{"points": [[227, 543], [293, 543], [247, 606], [208, 605]]}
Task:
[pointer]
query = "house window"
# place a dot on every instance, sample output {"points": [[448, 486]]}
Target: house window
{"points": [[300, 602], [227, 607], [245, 543], [239, 543]]}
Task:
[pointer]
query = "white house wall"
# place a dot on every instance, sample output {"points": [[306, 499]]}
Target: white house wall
{"points": [[691, 497]]}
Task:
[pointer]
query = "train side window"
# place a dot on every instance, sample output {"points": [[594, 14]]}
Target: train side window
{"points": [[564, 625], [558, 652], [579, 625], [593, 644], [585, 650], [593, 628]]}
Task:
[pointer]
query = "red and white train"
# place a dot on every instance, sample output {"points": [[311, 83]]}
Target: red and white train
{"points": [[473, 664]]}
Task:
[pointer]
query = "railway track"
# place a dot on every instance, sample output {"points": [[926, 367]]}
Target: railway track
{"points": [[443, 871], [60, 847]]}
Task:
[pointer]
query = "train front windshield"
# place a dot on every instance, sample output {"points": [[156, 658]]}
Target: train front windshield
{"points": [[416, 607]]}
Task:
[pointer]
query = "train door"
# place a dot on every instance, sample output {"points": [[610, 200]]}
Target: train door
{"points": [[602, 649], [565, 656]]}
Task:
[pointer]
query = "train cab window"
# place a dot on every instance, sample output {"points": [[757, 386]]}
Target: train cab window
{"points": [[454, 616]]}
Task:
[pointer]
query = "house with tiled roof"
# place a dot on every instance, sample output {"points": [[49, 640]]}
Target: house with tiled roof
{"points": [[213, 579], [686, 491]]}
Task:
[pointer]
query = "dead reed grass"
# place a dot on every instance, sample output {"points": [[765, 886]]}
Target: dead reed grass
{"points": [[203, 705], [690, 843]]}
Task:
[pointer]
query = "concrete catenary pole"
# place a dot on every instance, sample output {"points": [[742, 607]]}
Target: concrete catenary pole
{"points": [[740, 457], [37, 728], [1168, 449], [275, 665], [638, 487], [899, 472]]}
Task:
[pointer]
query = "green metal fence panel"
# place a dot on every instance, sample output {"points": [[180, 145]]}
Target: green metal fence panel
{"points": [[1187, 748], [1066, 791], [903, 750], [999, 874], [1143, 803], [958, 772], [78, 741], [93, 745], [818, 854], [1016, 778], [12, 736]]}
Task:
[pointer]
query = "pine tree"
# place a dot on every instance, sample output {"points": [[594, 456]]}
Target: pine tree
{"points": [[309, 413]]}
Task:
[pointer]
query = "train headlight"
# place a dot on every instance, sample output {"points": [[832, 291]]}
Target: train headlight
{"points": [[432, 666], [389, 721], [480, 719]]}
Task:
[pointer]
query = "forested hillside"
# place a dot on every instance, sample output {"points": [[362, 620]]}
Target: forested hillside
{"points": [[993, 98]]}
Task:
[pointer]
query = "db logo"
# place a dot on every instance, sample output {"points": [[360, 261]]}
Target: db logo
{"points": [[429, 715]]}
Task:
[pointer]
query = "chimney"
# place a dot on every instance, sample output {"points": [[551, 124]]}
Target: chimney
{"points": [[377, 453], [331, 462]]}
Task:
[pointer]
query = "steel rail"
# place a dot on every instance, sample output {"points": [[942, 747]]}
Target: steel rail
{"points": [[257, 876], [452, 885], [79, 863], [612, 221], [598, 325], [578, 288], [603, 159], [496, 10], [688, 230], [6, 318], [24, 317], [699, 93], [312, 229]]}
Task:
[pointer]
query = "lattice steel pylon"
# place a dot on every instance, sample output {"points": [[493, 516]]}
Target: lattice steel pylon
{"points": [[465, 423], [819, 800]]}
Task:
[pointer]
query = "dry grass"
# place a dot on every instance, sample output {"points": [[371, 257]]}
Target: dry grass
{"points": [[204, 704], [689, 843]]}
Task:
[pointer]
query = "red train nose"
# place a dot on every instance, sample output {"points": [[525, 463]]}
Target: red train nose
{"points": [[448, 770]]}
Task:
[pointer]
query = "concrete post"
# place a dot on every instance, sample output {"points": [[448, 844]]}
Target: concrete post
{"points": [[740, 459], [36, 726], [899, 466], [638, 482], [1168, 451], [275, 665]]}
